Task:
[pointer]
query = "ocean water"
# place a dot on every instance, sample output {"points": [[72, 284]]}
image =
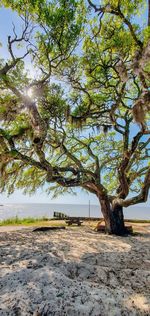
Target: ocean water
{"points": [[80, 210]]}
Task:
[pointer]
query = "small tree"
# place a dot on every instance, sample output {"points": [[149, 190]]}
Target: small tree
{"points": [[58, 136]]}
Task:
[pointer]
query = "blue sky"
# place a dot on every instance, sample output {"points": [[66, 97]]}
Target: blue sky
{"points": [[7, 17]]}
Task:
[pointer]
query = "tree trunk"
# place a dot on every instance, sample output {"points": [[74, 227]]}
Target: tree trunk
{"points": [[118, 220], [113, 216]]}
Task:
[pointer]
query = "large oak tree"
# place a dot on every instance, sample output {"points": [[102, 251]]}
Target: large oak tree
{"points": [[84, 120]]}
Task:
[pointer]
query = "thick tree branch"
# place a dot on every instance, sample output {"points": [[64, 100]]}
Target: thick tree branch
{"points": [[90, 152], [123, 189], [143, 196], [77, 161]]}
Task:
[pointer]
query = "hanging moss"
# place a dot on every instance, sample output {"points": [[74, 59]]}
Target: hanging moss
{"points": [[141, 107], [77, 122], [67, 113], [106, 128], [138, 112], [98, 128]]}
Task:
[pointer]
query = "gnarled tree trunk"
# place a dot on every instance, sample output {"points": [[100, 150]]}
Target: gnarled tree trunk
{"points": [[113, 216]]}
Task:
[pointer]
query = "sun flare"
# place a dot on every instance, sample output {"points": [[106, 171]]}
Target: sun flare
{"points": [[29, 92]]}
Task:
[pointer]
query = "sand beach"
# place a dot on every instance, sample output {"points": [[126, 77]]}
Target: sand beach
{"points": [[74, 272]]}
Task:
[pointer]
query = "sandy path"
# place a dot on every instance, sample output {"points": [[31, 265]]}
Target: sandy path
{"points": [[10, 228], [74, 272]]}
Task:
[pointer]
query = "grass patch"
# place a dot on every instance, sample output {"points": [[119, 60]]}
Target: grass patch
{"points": [[44, 221], [23, 221], [138, 220]]}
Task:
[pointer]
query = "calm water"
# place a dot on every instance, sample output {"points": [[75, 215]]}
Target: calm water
{"points": [[39, 210]]}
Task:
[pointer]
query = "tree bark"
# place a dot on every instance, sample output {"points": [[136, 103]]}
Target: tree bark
{"points": [[118, 220], [113, 217]]}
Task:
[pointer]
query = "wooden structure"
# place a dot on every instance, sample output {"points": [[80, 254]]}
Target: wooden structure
{"points": [[100, 227], [60, 215], [74, 220], [69, 220]]}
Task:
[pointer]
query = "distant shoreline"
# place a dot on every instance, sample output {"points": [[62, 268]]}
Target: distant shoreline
{"points": [[36, 210]]}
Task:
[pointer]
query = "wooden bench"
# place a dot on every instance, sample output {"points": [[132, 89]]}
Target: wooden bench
{"points": [[69, 220], [74, 220]]}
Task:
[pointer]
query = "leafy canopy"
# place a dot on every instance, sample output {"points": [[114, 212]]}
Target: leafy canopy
{"points": [[73, 124]]}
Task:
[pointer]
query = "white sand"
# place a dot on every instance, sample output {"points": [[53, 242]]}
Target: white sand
{"points": [[74, 272]]}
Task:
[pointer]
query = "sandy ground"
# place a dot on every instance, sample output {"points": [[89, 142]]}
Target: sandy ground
{"points": [[74, 272]]}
